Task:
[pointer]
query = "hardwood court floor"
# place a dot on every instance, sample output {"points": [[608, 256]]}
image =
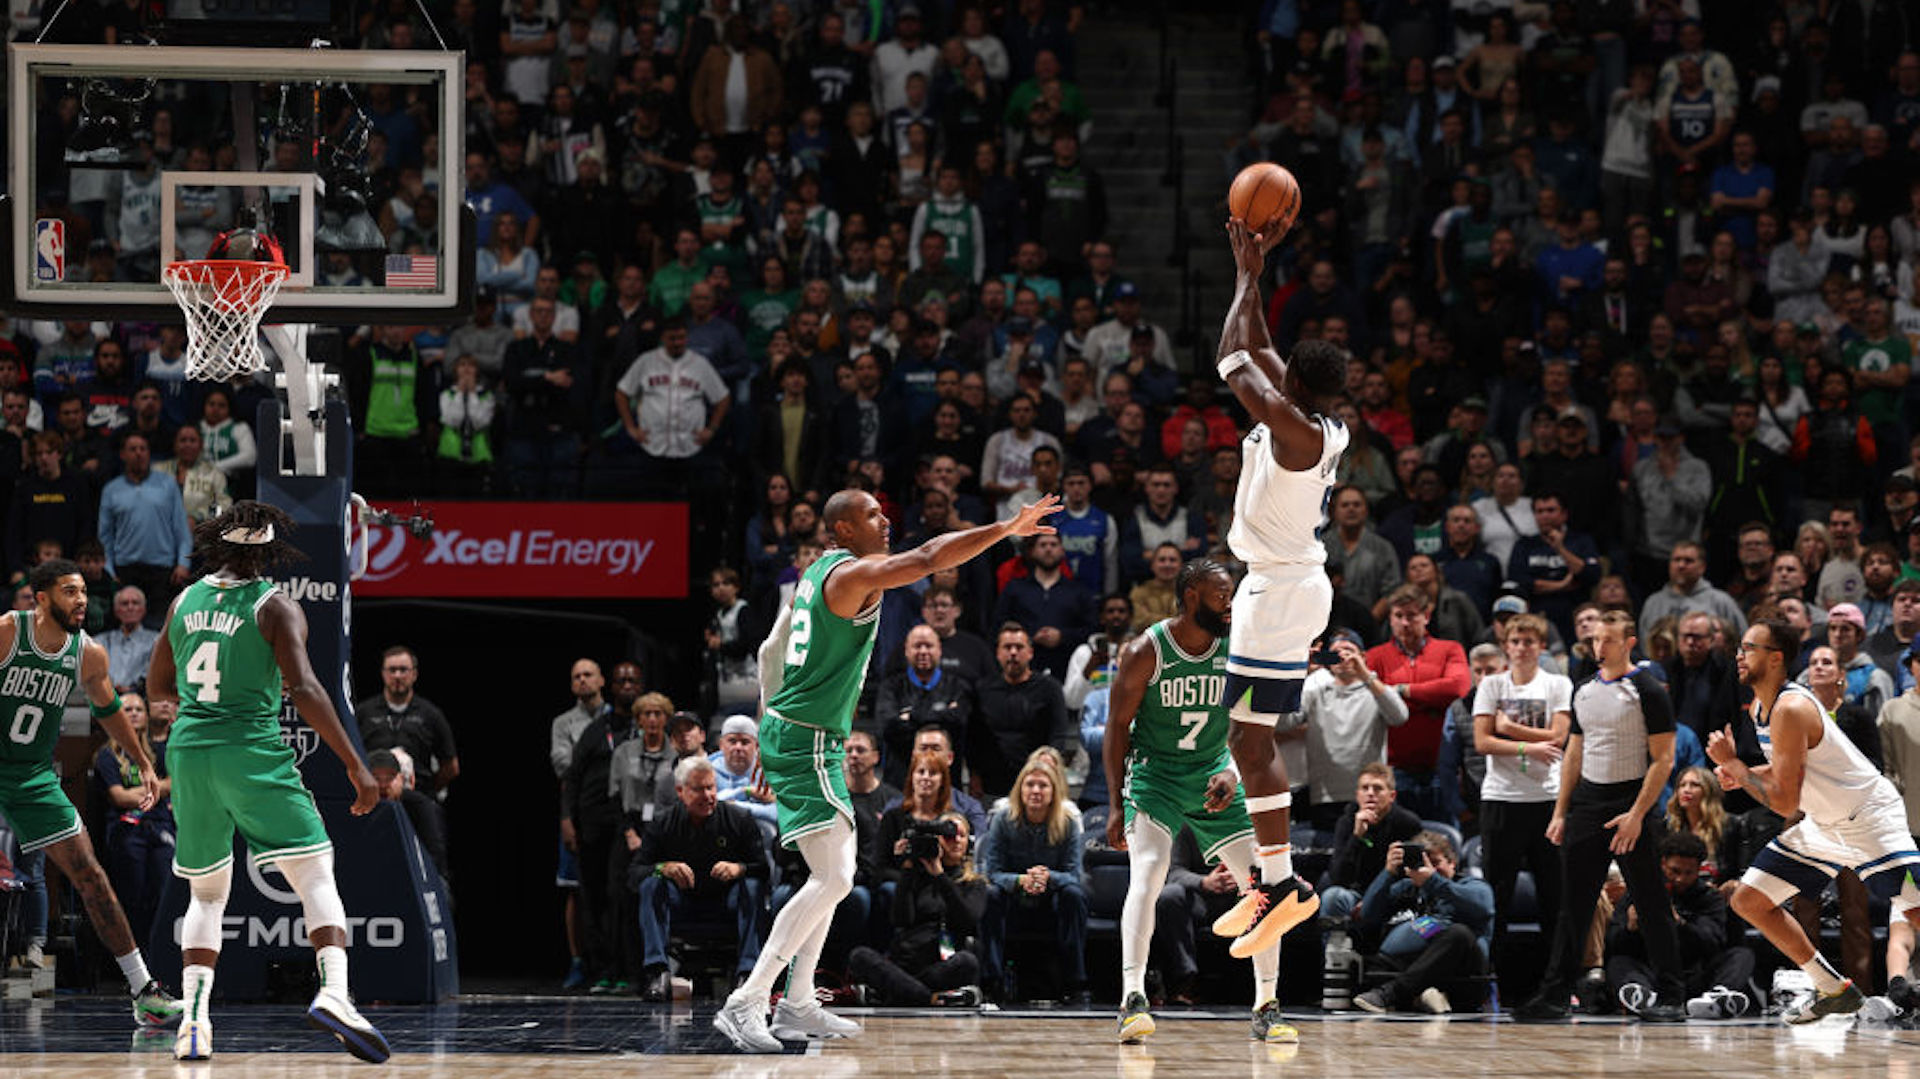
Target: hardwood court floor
{"points": [[577, 1038]]}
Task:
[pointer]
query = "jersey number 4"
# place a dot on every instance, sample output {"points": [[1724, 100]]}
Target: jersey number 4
{"points": [[203, 673]]}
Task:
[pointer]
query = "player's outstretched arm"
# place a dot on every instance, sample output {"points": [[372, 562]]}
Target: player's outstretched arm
{"points": [[284, 625], [1129, 686], [98, 686], [863, 577], [1249, 364]]}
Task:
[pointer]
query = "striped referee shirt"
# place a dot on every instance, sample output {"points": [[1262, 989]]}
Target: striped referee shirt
{"points": [[1614, 719]]}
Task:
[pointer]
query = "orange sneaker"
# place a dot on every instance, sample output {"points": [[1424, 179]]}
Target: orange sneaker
{"points": [[1281, 907]]}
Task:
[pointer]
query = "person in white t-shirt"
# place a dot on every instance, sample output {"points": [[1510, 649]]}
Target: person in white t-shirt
{"points": [[1521, 717]]}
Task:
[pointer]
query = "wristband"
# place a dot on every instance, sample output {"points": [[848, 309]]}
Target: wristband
{"points": [[1232, 362], [1521, 752], [99, 711]]}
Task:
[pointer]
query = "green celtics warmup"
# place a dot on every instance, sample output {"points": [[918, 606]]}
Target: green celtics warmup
{"points": [[811, 669]]}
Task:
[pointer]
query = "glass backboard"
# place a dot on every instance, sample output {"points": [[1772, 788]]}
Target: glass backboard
{"points": [[124, 158]]}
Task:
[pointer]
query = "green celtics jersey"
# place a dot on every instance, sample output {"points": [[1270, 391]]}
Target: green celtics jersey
{"points": [[34, 687], [1181, 725], [824, 660], [228, 681]]}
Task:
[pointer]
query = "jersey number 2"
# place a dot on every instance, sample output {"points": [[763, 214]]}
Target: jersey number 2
{"points": [[1195, 722], [797, 633], [26, 724], [203, 673]]}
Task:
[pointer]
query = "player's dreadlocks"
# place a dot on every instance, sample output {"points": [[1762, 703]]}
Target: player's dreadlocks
{"points": [[246, 540]]}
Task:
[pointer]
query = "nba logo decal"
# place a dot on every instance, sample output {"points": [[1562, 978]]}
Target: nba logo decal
{"points": [[49, 249]]}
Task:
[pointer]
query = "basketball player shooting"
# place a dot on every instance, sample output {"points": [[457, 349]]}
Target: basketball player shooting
{"points": [[812, 667], [1854, 818], [1282, 604]]}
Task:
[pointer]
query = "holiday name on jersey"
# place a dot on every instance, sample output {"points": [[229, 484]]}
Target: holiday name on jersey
{"points": [[222, 622]]}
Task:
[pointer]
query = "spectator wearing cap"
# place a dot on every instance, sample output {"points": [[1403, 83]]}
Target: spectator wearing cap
{"points": [[1021, 342], [1466, 428], [702, 860], [1553, 651], [688, 733], [906, 54], [1866, 685], [1899, 723], [1571, 268], [1154, 383], [1110, 342], [483, 336], [1444, 94], [1584, 480], [736, 767], [1067, 206]]}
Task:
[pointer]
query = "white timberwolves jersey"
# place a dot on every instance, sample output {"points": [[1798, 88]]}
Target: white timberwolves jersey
{"points": [[1277, 513], [1839, 777]]}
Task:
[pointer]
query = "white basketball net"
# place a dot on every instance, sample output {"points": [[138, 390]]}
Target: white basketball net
{"points": [[224, 300]]}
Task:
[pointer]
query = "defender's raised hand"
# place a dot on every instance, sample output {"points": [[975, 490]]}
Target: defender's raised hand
{"points": [[1028, 521]]}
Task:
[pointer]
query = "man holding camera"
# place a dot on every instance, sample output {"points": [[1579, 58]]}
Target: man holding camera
{"points": [[1167, 735], [1444, 941]]}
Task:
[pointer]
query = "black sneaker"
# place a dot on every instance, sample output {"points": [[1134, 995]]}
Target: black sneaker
{"points": [[1662, 1012], [967, 996], [1542, 1010]]}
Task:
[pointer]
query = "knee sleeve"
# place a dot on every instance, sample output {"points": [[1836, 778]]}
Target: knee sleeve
{"points": [[200, 928], [830, 855], [311, 878]]}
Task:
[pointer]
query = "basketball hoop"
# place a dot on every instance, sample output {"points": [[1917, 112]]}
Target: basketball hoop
{"points": [[224, 300]]}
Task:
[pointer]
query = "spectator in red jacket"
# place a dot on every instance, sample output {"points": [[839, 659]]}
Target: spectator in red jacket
{"points": [[1200, 405], [1429, 674]]}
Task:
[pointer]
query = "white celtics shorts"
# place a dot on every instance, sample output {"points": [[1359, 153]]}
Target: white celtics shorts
{"points": [[1874, 843], [1278, 611]]}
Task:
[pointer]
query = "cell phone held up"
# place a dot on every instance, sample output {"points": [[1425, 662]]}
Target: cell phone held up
{"points": [[1325, 657], [1412, 854]]}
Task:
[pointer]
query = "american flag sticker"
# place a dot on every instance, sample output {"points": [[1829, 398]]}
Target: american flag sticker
{"points": [[413, 271]]}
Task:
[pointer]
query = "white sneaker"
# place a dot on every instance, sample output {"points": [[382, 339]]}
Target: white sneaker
{"points": [[744, 1021], [194, 1041], [337, 1016], [1634, 997], [1719, 1002], [800, 1022], [36, 954], [1433, 1000]]}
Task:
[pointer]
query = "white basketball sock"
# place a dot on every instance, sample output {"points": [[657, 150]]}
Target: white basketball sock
{"points": [[196, 989], [829, 854], [1238, 857], [1276, 863], [134, 966], [1149, 855]]}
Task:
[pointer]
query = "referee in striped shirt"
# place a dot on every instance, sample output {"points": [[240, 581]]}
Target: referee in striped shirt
{"points": [[1616, 764]]}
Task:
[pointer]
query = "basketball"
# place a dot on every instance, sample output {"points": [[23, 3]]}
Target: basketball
{"points": [[1264, 197]]}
